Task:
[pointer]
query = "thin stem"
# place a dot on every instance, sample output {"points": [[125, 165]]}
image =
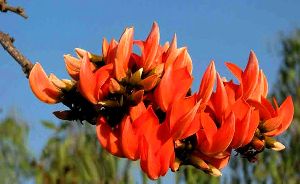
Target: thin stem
{"points": [[4, 7], [7, 43]]}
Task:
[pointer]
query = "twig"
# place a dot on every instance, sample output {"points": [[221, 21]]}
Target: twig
{"points": [[4, 7], [7, 43]]}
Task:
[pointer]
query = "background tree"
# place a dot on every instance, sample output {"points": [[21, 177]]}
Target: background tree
{"points": [[15, 157], [73, 155]]}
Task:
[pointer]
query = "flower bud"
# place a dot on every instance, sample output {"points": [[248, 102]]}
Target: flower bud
{"points": [[273, 144], [158, 70], [137, 97], [199, 163], [176, 164], [179, 144], [62, 84], [149, 82], [93, 57], [136, 77], [109, 103], [64, 115], [257, 144], [213, 171], [115, 87]]}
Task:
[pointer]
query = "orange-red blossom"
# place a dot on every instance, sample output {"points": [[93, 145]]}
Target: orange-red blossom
{"points": [[143, 107]]}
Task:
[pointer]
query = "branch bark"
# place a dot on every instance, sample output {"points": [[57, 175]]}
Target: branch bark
{"points": [[4, 7], [7, 43]]}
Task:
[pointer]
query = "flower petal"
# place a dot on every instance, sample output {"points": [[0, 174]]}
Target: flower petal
{"points": [[250, 76], [42, 87], [207, 83], [108, 138], [73, 66], [286, 112], [123, 53], [174, 85], [90, 82], [129, 140]]}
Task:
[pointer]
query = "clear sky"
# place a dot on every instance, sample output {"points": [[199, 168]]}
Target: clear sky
{"points": [[218, 30]]}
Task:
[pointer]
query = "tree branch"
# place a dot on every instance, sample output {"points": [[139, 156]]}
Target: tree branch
{"points": [[4, 7], [7, 43]]}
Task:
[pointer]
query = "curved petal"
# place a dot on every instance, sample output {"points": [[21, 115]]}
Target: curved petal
{"points": [[221, 138], [149, 82], [105, 47], [129, 140], [219, 98], [181, 114], [90, 82], [111, 52], [42, 87], [261, 88], [174, 85], [136, 111], [253, 124], [264, 112], [207, 83], [151, 46], [235, 70], [241, 127], [149, 164], [171, 54], [123, 53], [108, 138], [157, 151], [183, 60], [73, 66], [286, 113], [209, 127], [272, 124], [250, 76]]}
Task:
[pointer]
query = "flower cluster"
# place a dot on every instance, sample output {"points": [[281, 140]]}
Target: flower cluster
{"points": [[143, 107]]}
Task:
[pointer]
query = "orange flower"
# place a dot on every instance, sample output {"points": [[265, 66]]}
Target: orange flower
{"points": [[122, 139], [43, 86], [207, 83], [182, 117], [131, 131], [109, 138], [73, 66], [119, 53], [144, 109], [93, 85], [246, 123], [151, 51], [156, 146], [249, 78], [178, 58], [218, 128], [274, 121], [214, 140], [174, 85]]}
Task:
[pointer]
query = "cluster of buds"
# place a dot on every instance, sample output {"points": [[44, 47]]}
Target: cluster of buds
{"points": [[143, 107]]}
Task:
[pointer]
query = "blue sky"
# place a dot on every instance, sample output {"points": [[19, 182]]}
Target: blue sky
{"points": [[222, 31]]}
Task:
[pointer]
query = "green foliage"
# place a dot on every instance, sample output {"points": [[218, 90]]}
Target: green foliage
{"points": [[15, 158], [73, 155]]}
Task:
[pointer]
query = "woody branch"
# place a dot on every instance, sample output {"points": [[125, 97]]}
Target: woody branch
{"points": [[7, 42], [4, 7]]}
